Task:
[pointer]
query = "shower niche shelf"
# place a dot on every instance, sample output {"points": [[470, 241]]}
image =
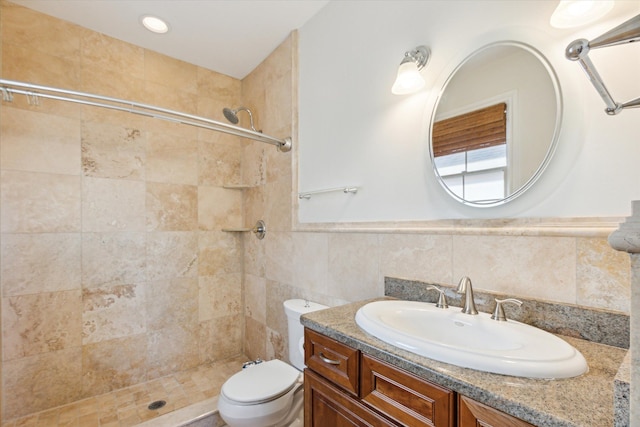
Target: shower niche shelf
{"points": [[239, 186]]}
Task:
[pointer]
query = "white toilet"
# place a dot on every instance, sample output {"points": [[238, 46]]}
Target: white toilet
{"points": [[270, 394]]}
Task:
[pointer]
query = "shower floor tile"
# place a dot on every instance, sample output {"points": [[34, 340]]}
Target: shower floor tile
{"points": [[130, 406]]}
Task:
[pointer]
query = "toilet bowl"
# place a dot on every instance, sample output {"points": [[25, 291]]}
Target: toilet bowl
{"points": [[270, 394]]}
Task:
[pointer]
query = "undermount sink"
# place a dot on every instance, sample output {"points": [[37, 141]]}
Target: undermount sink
{"points": [[471, 341]]}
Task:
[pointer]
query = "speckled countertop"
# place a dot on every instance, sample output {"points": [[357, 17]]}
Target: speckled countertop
{"points": [[583, 401]]}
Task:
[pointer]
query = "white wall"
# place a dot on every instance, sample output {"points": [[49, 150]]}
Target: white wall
{"points": [[353, 131]]}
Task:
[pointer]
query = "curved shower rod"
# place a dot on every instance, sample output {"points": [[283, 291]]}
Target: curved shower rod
{"points": [[33, 92], [578, 50]]}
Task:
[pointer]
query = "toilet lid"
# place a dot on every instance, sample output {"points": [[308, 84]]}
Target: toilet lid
{"points": [[260, 382]]}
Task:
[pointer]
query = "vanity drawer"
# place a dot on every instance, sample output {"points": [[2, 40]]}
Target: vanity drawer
{"points": [[335, 361], [405, 398]]}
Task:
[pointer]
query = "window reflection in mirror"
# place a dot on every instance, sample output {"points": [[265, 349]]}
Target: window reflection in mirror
{"points": [[495, 124], [470, 153]]}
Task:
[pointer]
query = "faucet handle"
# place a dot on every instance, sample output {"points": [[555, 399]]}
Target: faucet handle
{"points": [[442, 299], [498, 313]]}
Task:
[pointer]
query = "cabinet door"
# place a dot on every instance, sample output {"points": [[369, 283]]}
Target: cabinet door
{"points": [[476, 414], [327, 406], [404, 397]]}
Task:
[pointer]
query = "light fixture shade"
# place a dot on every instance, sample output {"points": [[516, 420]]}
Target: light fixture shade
{"points": [[574, 13], [408, 79]]}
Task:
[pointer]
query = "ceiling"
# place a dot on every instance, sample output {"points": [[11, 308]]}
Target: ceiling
{"points": [[228, 36]]}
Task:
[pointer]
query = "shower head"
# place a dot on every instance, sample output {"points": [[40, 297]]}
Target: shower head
{"points": [[232, 116]]}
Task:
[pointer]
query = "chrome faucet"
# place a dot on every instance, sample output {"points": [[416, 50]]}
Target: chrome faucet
{"points": [[465, 288]]}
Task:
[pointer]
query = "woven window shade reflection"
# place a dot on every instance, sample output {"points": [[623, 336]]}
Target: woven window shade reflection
{"points": [[478, 129]]}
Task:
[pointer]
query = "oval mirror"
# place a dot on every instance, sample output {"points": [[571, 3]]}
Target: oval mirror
{"points": [[495, 124]]}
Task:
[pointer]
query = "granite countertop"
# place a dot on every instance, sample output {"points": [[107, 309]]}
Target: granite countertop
{"points": [[582, 401]]}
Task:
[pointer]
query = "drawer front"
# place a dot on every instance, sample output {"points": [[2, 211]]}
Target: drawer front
{"points": [[404, 397], [472, 414], [333, 360], [326, 406]]}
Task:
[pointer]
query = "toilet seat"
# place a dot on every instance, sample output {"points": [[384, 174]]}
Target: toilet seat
{"points": [[260, 383]]}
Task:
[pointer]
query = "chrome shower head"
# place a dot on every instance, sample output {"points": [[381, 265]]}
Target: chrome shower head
{"points": [[232, 116]]}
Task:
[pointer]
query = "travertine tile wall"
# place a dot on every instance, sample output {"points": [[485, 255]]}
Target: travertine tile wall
{"points": [[113, 266], [336, 267]]}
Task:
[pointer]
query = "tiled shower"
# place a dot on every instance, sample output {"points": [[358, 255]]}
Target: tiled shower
{"points": [[114, 266]]}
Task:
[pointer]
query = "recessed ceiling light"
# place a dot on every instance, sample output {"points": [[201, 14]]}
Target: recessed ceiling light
{"points": [[154, 24], [573, 13]]}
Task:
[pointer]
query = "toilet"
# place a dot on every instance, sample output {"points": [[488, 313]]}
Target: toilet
{"points": [[270, 394]]}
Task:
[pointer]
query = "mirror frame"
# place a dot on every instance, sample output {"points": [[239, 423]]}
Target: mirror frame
{"points": [[554, 139]]}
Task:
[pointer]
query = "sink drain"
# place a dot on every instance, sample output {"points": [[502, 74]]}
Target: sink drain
{"points": [[157, 405]]}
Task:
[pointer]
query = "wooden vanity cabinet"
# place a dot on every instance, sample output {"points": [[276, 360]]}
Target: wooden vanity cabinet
{"points": [[344, 387], [474, 414], [325, 405]]}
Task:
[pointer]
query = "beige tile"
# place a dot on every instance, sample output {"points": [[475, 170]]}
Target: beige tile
{"points": [[219, 163], [40, 32], [255, 342], [417, 256], [219, 208], [310, 263], [172, 349], [221, 338], [37, 142], [110, 151], [219, 296], [219, 252], [353, 266], [278, 211], [172, 73], [168, 98], [41, 323], [172, 207], [113, 258], [171, 159], [603, 275], [39, 203], [113, 312], [172, 302], [172, 254], [254, 255], [254, 164], [537, 267], [218, 86], [41, 382], [34, 263], [255, 298], [100, 51], [277, 345], [113, 205], [113, 364], [24, 64], [279, 253]]}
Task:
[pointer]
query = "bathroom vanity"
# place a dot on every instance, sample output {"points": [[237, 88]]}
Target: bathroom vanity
{"points": [[353, 378]]}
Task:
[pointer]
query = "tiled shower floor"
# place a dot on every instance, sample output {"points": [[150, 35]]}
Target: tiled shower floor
{"points": [[129, 406]]}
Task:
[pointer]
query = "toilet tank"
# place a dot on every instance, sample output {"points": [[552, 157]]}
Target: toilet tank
{"points": [[294, 308]]}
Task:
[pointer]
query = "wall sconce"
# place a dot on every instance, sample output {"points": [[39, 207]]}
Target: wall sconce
{"points": [[573, 13], [409, 79]]}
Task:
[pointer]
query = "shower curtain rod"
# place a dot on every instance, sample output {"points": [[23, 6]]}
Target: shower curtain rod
{"points": [[33, 92]]}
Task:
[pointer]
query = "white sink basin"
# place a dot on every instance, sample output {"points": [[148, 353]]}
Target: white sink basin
{"points": [[476, 342]]}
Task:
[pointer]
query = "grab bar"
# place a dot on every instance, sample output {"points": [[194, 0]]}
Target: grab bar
{"points": [[578, 50]]}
